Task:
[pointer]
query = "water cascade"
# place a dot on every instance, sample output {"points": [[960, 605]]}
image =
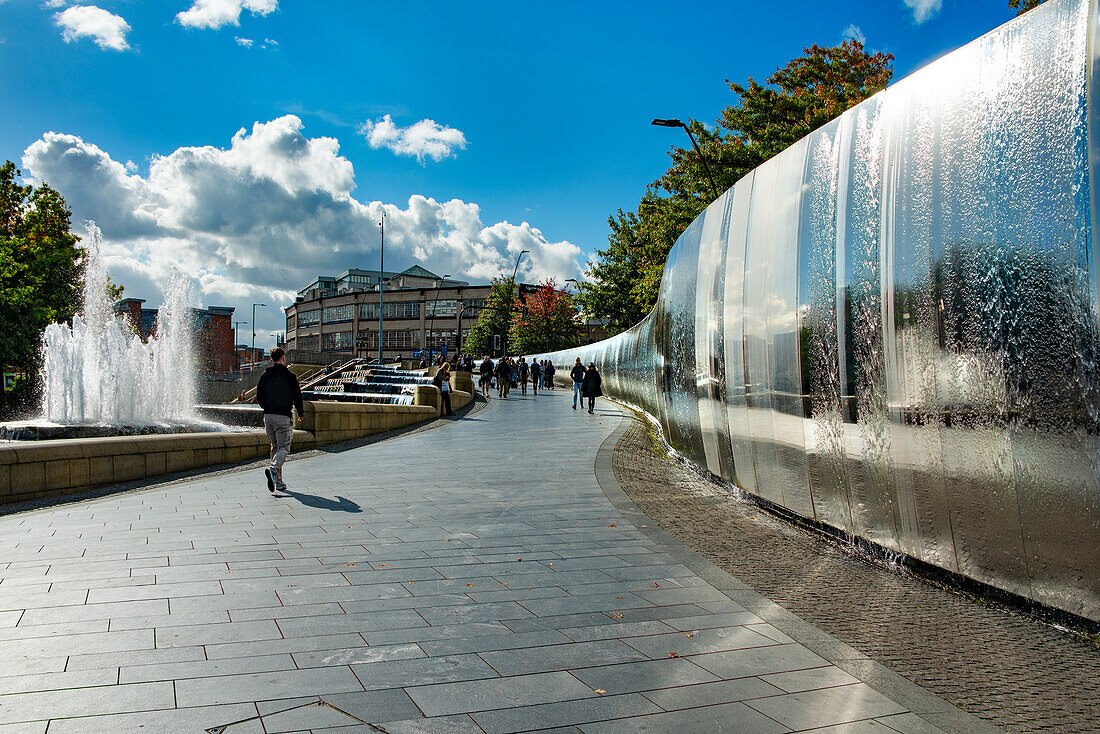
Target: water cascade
{"points": [[98, 371]]}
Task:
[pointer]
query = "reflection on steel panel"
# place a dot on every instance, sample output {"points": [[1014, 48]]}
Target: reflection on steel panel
{"points": [[891, 327]]}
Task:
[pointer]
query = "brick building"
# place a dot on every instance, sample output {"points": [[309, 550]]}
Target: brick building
{"points": [[213, 328]]}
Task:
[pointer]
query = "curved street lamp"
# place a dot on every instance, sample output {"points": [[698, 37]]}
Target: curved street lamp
{"points": [[676, 123]]}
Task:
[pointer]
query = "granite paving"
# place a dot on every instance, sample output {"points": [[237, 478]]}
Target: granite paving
{"points": [[473, 576]]}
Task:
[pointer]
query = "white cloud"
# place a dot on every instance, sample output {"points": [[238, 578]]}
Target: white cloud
{"points": [[270, 42], [260, 218], [923, 9], [217, 13], [855, 33], [246, 42], [424, 139], [88, 21]]}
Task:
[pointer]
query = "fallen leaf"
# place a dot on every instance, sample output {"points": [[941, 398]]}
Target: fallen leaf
{"points": [[616, 616], [656, 586], [549, 564], [645, 526], [611, 525], [674, 654], [469, 584], [618, 597], [600, 691], [383, 565], [690, 634], [349, 565]]}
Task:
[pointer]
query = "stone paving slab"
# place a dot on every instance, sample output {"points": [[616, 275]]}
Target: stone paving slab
{"points": [[460, 579]]}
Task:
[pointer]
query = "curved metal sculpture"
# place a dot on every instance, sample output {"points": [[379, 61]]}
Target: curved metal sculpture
{"points": [[892, 326]]}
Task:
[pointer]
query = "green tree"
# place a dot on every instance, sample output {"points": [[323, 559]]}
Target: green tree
{"points": [[40, 267], [623, 282], [1022, 6], [546, 322], [495, 318]]}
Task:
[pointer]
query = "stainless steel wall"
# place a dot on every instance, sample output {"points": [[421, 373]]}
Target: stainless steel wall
{"points": [[891, 327]]}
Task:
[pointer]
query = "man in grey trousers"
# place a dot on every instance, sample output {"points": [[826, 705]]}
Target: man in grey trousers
{"points": [[278, 392]]}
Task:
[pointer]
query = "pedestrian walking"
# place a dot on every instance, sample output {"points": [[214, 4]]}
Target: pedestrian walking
{"points": [[442, 380], [523, 370], [279, 393], [591, 386], [504, 378], [577, 375], [548, 371], [536, 375], [486, 369]]}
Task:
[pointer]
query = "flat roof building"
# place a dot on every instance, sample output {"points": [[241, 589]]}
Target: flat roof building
{"points": [[337, 317]]}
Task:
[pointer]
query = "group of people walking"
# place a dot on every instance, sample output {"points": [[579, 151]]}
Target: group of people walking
{"points": [[508, 373]]}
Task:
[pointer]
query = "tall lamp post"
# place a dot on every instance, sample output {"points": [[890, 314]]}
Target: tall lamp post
{"points": [[235, 325], [381, 279], [587, 334], [254, 305], [702, 159], [514, 271], [435, 304]]}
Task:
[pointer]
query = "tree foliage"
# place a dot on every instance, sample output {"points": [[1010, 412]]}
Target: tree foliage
{"points": [[40, 267], [1022, 6], [623, 282], [495, 318], [546, 322]]}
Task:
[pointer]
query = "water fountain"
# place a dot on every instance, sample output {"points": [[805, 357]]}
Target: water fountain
{"points": [[101, 379], [891, 327]]}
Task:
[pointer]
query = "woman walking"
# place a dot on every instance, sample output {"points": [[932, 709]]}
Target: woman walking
{"points": [[591, 385], [486, 376]]}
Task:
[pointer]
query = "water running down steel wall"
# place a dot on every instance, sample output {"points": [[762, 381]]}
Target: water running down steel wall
{"points": [[891, 327]]}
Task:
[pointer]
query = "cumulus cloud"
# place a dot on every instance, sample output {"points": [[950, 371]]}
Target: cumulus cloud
{"points": [[88, 21], [260, 218], [923, 9], [424, 139], [217, 13], [246, 42], [855, 33]]}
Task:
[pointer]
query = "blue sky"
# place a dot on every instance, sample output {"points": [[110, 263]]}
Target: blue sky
{"points": [[509, 128]]}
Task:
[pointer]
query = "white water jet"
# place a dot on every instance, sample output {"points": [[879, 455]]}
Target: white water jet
{"points": [[98, 371]]}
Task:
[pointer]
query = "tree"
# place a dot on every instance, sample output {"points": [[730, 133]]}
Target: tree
{"points": [[623, 282], [546, 323], [40, 267], [1022, 6], [494, 319]]}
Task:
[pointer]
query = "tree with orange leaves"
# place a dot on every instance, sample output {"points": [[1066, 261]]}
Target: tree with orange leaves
{"points": [[546, 321]]}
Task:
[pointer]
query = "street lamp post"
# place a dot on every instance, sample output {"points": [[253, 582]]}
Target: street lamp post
{"points": [[235, 325], [676, 123], [587, 334], [504, 341], [381, 279], [435, 305], [254, 305]]}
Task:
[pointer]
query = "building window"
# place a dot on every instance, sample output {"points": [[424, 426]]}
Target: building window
{"points": [[403, 339], [290, 321], [309, 343], [439, 337], [336, 314], [339, 341], [309, 318], [439, 309], [390, 310]]}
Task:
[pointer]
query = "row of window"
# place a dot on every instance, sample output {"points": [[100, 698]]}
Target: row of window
{"points": [[390, 340], [337, 341], [334, 314], [390, 310], [309, 318]]}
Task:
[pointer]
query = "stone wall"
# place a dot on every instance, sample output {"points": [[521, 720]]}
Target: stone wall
{"points": [[38, 469]]}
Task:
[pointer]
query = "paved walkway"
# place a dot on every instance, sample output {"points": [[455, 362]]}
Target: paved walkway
{"points": [[471, 578]]}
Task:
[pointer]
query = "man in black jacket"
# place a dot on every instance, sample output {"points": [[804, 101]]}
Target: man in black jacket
{"points": [[278, 393], [577, 375]]}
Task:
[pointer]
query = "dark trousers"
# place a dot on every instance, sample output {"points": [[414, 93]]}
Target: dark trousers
{"points": [[591, 404], [534, 385], [447, 404]]}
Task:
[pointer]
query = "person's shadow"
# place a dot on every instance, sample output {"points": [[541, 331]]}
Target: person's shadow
{"points": [[341, 504]]}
